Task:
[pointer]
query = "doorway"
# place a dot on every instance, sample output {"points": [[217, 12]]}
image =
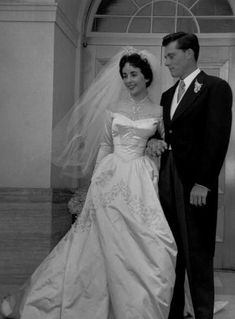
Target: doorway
{"points": [[112, 25]]}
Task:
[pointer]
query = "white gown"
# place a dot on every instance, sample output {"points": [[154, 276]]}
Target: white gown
{"points": [[118, 259]]}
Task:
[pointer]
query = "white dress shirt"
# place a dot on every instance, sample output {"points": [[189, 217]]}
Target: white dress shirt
{"points": [[187, 81]]}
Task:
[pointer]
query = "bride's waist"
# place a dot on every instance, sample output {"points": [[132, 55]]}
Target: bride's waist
{"points": [[128, 153]]}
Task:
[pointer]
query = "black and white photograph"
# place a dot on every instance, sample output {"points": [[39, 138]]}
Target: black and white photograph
{"points": [[117, 159]]}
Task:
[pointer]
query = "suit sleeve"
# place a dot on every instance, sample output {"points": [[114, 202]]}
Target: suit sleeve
{"points": [[160, 131], [217, 133]]}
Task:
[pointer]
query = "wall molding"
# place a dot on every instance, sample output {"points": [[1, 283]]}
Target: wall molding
{"points": [[36, 12], [32, 221], [26, 12], [206, 39], [34, 195], [66, 26]]}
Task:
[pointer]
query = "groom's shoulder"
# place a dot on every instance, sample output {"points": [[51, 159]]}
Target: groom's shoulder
{"points": [[217, 85], [213, 79]]}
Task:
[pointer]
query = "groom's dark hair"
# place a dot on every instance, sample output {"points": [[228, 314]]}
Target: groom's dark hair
{"points": [[184, 40]]}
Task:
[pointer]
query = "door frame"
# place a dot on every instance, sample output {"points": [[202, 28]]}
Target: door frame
{"points": [[225, 254]]}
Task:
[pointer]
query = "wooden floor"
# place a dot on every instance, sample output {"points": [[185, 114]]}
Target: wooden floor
{"points": [[224, 287]]}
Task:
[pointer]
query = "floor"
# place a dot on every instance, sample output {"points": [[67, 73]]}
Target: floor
{"points": [[225, 291], [224, 287]]}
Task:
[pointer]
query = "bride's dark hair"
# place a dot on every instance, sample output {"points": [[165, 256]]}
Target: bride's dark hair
{"points": [[137, 61]]}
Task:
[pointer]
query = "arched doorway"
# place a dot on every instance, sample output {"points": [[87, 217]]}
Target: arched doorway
{"points": [[112, 24]]}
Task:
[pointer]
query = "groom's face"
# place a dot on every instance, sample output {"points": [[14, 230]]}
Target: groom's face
{"points": [[176, 60]]}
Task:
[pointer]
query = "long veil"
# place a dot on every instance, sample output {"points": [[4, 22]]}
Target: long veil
{"points": [[76, 138]]}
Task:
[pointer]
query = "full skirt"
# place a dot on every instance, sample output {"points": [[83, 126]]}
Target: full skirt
{"points": [[118, 259]]}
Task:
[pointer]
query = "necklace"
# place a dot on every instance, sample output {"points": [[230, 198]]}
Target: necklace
{"points": [[137, 106]]}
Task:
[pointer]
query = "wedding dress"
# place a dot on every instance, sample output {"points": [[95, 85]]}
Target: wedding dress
{"points": [[118, 259]]}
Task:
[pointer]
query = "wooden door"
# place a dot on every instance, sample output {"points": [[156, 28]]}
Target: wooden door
{"points": [[215, 60], [219, 61]]}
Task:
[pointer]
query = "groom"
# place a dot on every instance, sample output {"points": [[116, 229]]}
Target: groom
{"points": [[197, 119]]}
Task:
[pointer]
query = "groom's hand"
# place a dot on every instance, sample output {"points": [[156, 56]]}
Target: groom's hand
{"points": [[198, 195], [155, 147]]}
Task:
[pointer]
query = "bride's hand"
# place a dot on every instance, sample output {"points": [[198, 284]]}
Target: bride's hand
{"points": [[155, 147]]}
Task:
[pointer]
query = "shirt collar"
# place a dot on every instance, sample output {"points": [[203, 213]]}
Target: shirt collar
{"points": [[189, 79]]}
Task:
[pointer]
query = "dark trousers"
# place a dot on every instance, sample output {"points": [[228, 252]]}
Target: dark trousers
{"points": [[193, 254]]}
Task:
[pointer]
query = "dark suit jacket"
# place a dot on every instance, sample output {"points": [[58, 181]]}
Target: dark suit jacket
{"points": [[200, 128]]}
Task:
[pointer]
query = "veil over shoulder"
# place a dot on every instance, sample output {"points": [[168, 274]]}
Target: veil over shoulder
{"points": [[77, 136]]}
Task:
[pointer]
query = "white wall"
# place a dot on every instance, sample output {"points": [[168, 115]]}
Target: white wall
{"points": [[37, 74], [26, 86], [64, 79]]}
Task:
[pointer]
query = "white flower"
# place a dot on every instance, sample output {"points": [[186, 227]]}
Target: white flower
{"points": [[75, 203], [197, 86]]}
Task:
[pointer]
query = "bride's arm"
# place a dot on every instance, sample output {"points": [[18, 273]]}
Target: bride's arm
{"points": [[106, 145], [161, 129], [156, 144]]}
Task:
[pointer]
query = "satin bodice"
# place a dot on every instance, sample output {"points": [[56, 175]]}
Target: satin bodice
{"points": [[130, 136]]}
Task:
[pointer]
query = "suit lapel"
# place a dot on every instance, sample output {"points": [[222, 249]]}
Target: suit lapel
{"points": [[167, 107], [193, 92]]}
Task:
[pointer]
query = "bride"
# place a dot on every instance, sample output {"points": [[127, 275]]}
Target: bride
{"points": [[118, 259]]}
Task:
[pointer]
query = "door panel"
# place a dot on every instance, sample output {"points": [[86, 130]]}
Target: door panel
{"points": [[221, 70], [214, 61]]}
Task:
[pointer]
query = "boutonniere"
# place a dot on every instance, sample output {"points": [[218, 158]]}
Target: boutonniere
{"points": [[197, 86]]}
